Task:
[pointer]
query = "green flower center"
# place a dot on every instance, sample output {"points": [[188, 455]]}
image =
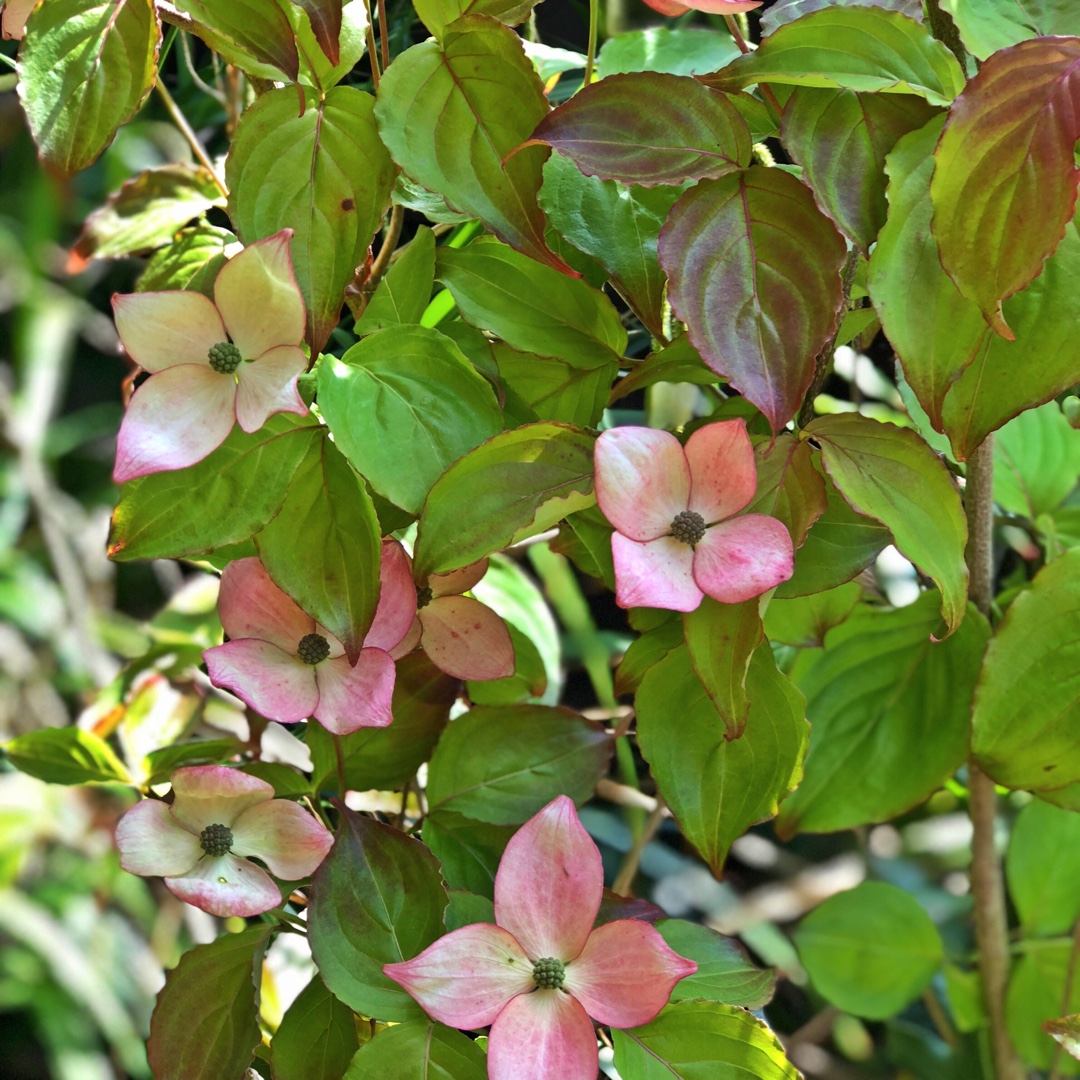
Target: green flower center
{"points": [[224, 357], [688, 526], [216, 840], [423, 597], [313, 649], [549, 973]]}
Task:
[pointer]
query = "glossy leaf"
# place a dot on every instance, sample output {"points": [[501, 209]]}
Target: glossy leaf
{"points": [[889, 711], [724, 973], [717, 789], [350, 42], [1004, 184], [468, 851], [1027, 704], [419, 1048], [681, 51], [1042, 866], [515, 485], [376, 899], [1036, 994], [678, 362], [785, 11], [325, 19], [803, 621], [553, 388], [85, 68], [646, 652], [1036, 461], [403, 294], [989, 25], [888, 473], [316, 1039], [66, 756], [501, 764], [648, 128], [437, 15], [322, 172], [754, 271], [191, 261], [328, 517], [450, 112], [871, 950], [254, 36], [788, 486], [205, 1022]]}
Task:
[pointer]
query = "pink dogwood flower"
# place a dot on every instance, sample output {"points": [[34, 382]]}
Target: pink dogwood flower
{"points": [[218, 816], [543, 970], [460, 635], [677, 539], [287, 667], [714, 7], [235, 358]]}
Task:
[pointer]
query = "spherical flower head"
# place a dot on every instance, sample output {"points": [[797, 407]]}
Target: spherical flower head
{"points": [[541, 971], [287, 667], [235, 358], [677, 538], [199, 843]]}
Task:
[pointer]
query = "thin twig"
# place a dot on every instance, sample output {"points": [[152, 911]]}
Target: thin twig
{"points": [[938, 1017], [386, 252], [186, 130], [628, 871], [384, 35], [373, 53], [590, 55]]}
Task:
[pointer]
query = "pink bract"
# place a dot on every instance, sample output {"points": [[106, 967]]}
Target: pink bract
{"points": [[714, 7], [156, 839], [647, 484], [547, 894], [186, 409], [261, 665]]}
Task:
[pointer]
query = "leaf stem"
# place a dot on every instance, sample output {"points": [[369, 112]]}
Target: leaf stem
{"points": [[186, 130], [745, 47], [373, 54], [590, 55]]}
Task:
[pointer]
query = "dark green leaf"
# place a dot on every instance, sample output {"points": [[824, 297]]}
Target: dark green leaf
{"points": [[677, 363], [436, 15], [556, 389], [676, 52], [402, 296], [325, 19], [468, 851], [646, 652], [253, 35], [789, 488], [803, 621], [161, 764], [191, 261], [316, 1039], [1042, 868], [66, 756], [419, 1049], [724, 973]]}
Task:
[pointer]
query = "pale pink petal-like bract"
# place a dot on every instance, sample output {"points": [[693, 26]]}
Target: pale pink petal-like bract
{"points": [[723, 473], [285, 836], [743, 557], [268, 385], [227, 886], [357, 697], [161, 329], [541, 1036], [657, 574], [215, 795], [153, 843], [251, 605], [280, 686]]}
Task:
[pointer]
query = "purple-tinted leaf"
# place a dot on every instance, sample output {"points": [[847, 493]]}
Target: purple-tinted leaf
{"points": [[785, 11], [648, 128], [788, 486], [754, 272], [1004, 186], [325, 19]]}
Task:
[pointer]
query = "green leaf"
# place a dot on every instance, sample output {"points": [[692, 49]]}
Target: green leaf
{"points": [[322, 172], [517, 484], [1035, 994], [857, 48], [1036, 461], [531, 307], [323, 547], [803, 621], [646, 652], [754, 271], [419, 1048], [1066, 1031], [1027, 704], [437, 15], [324, 17], [160, 764], [724, 973], [717, 789], [191, 261], [676, 52], [989, 25], [501, 764], [871, 950], [785, 11], [253, 35], [232, 493], [376, 899], [701, 1040], [451, 112], [889, 473], [66, 756], [789, 488], [205, 1023], [406, 394], [556, 389], [85, 68], [889, 710], [1004, 184], [402, 296], [468, 851], [672, 129], [1042, 868], [317, 1037], [840, 138], [678, 362]]}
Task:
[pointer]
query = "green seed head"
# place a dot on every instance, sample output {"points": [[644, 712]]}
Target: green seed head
{"points": [[549, 973], [423, 597], [224, 357], [313, 649], [216, 840], [688, 526]]}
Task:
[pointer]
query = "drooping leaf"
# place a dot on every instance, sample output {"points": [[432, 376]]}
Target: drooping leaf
{"points": [[803, 621], [325, 19], [376, 899], [468, 850], [1027, 703], [515, 485], [789, 488], [323, 547], [205, 1022], [1036, 461], [253, 35], [501, 764], [681, 51], [419, 1048], [648, 128], [1041, 868], [888, 473], [724, 973], [85, 68], [403, 294], [717, 789], [316, 1039], [450, 112], [889, 711], [871, 950], [1035, 994], [785, 11], [323, 173], [191, 261], [1005, 180], [66, 756], [989, 25], [754, 272], [677, 362]]}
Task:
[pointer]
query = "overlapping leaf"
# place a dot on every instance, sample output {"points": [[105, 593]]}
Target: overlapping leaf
{"points": [[251, 34], [325, 19], [419, 1048], [437, 15], [989, 25], [785, 11], [316, 1039], [789, 488]]}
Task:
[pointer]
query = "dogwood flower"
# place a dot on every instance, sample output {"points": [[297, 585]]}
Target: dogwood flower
{"points": [[460, 635], [218, 816], [287, 667], [235, 358], [542, 971], [714, 7], [677, 539]]}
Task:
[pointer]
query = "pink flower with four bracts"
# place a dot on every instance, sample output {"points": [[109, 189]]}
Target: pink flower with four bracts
{"points": [[212, 362], [218, 816], [539, 974], [677, 539], [287, 667]]}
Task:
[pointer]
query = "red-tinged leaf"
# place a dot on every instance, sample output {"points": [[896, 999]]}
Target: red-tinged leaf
{"points": [[252, 34], [648, 128], [785, 11], [1004, 187], [325, 19], [754, 272], [789, 487], [13, 19], [452, 112], [1067, 1032], [840, 138]]}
